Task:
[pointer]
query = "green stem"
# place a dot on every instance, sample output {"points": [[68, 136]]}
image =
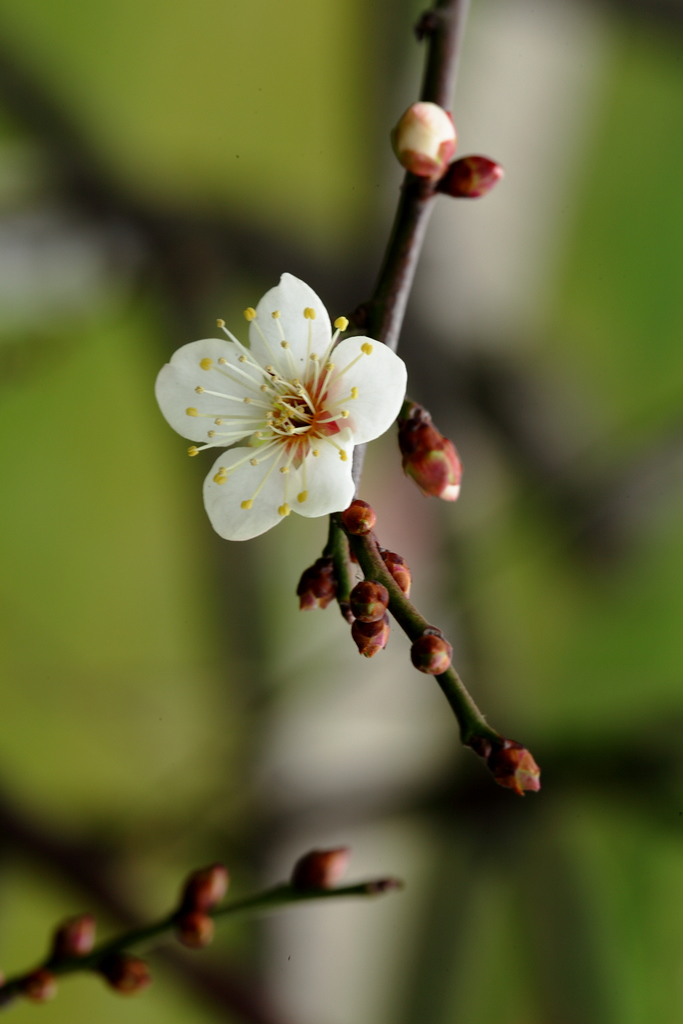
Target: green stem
{"points": [[270, 899], [337, 548], [472, 724]]}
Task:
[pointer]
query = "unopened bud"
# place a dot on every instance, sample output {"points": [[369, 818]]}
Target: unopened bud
{"points": [[40, 986], [205, 888], [428, 457], [321, 869], [369, 601], [471, 177], [514, 767], [431, 654], [359, 517], [75, 937], [125, 973], [371, 637], [424, 140], [318, 585], [195, 930], [398, 568]]}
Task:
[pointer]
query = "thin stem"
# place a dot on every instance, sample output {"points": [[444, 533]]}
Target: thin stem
{"points": [[337, 548], [383, 315], [270, 899], [473, 725]]}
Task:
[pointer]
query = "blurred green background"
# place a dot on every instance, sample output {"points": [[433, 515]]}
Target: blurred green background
{"points": [[164, 703]]}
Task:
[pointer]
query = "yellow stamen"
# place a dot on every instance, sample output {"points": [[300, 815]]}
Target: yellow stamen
{"points": [[302, 497], [275, 314], [220, 476], [220, 323], [191, 412], [354, 392], [316, 453], [284, 469], [192, 450], [284, 344], [309, 313], [246, 505], [284, 510], [366, 347], [343, 456], [243, 359], [249, 314], [206, 363], [253, 462], [314, 357], [345, 414], [211, 433], [341, 323], [199, 390]]}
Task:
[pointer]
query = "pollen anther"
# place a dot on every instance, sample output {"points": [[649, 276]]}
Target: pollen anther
{"points": [[191, 412], [206, 363], [366, 347], [199, 390], [284, 510], [275, 314], [309, 313], [220, 476], [284, 344], [302, 497], [341, 323], [253, 462], [246, 505], [250, 314], [192, 450]]}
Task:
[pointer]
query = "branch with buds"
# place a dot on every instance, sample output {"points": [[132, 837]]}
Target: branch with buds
{"points": [[315, 876]]}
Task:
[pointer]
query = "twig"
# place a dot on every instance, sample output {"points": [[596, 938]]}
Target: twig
{"points": [[270, 899]]}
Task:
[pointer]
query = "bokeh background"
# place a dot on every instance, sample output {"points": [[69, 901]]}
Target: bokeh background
{"points": [[164, 703]]}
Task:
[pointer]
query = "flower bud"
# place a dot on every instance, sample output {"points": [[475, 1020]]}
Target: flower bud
{"points": [[205, 888], [318, 585], [470, 177], [424, 140], [320, 869], [75, 937], [371, 637], [359, 518], [195, 929], [398, 568], [428, 457], [431, 654], [369, 601], [514, 767], [40, 986], [125, 973]]}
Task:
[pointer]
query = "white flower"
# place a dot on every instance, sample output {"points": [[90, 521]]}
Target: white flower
{"points": [[299, 398]]}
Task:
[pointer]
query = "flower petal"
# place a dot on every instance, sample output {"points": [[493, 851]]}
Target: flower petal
{"points": [[223, 502], [327, 478], [380, 378], [177, 380], [289, 298]]}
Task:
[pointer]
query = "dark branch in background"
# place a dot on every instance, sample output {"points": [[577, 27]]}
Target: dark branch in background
{"points": [[80, 867]]}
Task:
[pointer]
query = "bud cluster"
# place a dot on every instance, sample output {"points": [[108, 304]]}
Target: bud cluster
{"points": [[424, 141], [318, 585], [202, 892], [428, 457]]}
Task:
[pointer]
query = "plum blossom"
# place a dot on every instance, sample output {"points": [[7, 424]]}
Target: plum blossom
{"points": [[289, 408]]}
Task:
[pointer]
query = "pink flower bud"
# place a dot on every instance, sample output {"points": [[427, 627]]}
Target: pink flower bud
{"points": [[470, 177], [205, 888], [75, 937], [318, 585], [371, 637], [195, 930], [125, 973], [431, 654], [424, 140], [321, 869], [514, 767], [359, 518], [40, 986], [398, 568], [428, 457], [369, 601]]}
